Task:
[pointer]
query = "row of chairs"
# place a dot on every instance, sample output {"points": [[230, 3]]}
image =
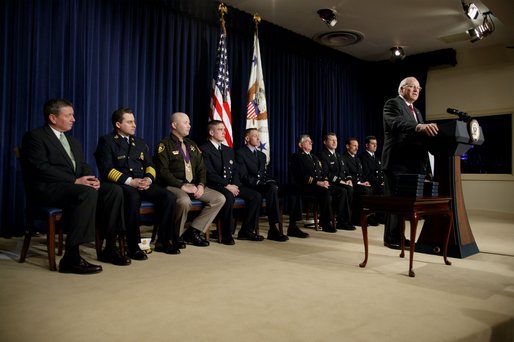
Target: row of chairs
{"points": [[53, 215]]}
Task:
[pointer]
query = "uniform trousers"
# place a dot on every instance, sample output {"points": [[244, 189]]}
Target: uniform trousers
{"points": [[253, 201], [213, 202], [164, 202], [323, 198], [269, 191]]}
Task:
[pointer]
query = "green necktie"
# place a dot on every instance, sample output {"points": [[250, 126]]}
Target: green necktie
{"points": [[66, 145]]}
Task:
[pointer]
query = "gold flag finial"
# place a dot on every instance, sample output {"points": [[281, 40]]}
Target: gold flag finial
{"points": [[222, 9], [256, 19]]}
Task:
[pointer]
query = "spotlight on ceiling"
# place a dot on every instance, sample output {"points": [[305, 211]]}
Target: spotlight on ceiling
{"points": [[397, 53], [470, 9], [328, 16], [481, 31]]}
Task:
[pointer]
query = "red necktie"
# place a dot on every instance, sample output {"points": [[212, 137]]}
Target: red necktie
{"points": [[411, 107]]}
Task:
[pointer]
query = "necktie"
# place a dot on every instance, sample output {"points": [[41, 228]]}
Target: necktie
{"points": [[67, 148], [411, 107]]}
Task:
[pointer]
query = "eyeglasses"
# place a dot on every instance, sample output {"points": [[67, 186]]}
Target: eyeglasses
{"points": [[413, 87]]}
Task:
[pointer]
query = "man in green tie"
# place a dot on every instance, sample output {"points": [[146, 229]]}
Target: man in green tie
{"points": [[57, 175]]}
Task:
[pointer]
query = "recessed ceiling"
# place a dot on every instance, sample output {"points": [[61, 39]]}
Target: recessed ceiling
{"points": [[367, 29]]}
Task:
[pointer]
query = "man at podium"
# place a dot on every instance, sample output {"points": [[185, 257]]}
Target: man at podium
{"points": [[404, 150]]}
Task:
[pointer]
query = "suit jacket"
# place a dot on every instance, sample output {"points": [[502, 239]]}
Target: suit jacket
{"points": [[305, 169], [221, 167], [118, 160], [404, 150], [334, 167], [170, 162], [252, 169], [371, 169], [355, 167], [46, 163]]}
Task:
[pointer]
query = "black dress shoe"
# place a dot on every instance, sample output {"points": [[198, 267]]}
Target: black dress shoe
{"points": [[328, 229], [249, 236], [167, 248], [346, 226], [228, 241], [372, 221], [192, 236], [275, 235], [83, 267], [294, 231], [138, 255], [113, 256], [180, 243], [392, 245]]}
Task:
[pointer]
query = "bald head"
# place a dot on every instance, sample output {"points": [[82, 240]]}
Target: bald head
{"points": [[180, 125]]}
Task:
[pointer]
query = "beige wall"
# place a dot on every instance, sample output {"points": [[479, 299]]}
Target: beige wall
{"points": [[482, 83]]}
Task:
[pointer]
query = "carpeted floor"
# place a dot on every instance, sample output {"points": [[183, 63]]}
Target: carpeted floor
{"points": [[301, 290]]}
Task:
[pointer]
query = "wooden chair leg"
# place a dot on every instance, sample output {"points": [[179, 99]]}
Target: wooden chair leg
{"points": [[99, 241], [26, 245], [50, 240]]}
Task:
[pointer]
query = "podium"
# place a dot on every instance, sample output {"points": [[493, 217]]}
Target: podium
{"points": [[454, 139]]}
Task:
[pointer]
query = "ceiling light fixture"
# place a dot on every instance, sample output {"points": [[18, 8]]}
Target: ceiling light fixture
{"points": [[328, 16], [397, 53], [481, 31], [471, 10]]}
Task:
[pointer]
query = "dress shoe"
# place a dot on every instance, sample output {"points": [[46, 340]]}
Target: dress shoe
{"points": [[294, 231], [249, 236], [138, 255], [275, 235], [345, 226], [180, 243], [192, 236], [372, 221], [113, 256], [328, 228], [396, 245], [167, 248], [228, 241], [83, 267]]}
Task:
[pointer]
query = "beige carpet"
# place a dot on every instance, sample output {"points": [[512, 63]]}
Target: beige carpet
{"points": [[301, 290]]}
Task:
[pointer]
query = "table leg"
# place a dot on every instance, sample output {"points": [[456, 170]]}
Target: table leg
{"points": [[413, 227], [447, 239]]}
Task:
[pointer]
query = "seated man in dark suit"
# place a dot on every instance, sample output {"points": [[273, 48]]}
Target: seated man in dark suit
{"points": [[338, 177], [361, 187], [252, 169], [124, 159], [222, 176], [308, 179], [57, 175]]}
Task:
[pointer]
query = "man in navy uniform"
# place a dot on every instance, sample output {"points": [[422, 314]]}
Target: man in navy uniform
{"points": [[253, 174], [124, 159], [339, 177], [361, 187], [308, 179], [223, 176]]}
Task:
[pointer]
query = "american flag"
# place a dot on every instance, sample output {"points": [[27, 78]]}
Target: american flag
{"points": [[220, 99]]}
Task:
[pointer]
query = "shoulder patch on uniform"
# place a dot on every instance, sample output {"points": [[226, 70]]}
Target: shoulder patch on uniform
{"points": [[160, 148]]}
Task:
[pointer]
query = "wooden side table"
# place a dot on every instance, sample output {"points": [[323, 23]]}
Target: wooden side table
{"points": [[412, 209]]}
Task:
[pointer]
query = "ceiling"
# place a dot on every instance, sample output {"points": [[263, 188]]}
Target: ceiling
{"points": [[416, 25]]}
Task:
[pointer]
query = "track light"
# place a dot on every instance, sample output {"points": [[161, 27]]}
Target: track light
{"points": [[397, 53], [471, 10], [328, 16], [481, 31]]}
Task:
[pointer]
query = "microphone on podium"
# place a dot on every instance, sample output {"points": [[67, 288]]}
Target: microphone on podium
{"points": [[460, 114]]}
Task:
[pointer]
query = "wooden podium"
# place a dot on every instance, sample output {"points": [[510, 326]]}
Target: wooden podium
{"points": [[454, 139]]}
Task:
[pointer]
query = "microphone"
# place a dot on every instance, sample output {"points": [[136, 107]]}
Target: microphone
{"points": [[457, 112]]}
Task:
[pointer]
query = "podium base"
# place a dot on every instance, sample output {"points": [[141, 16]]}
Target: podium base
{"points": [[454, 251]]}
